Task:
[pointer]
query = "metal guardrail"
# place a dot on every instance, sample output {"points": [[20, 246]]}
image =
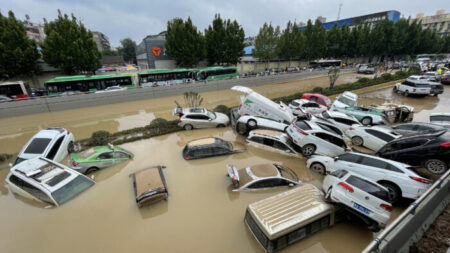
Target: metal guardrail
{"points": [[398, 234]]}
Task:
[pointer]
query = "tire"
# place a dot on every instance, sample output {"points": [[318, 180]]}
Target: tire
{"points": [[366, 121], [328, 194], [188, 127], [220, 125], [91, 170], [406, 93], [357, 141], [394, 192], [308, 150], [395, 89], [71, 147], [436, 166], [251, 123], [318, 167]]}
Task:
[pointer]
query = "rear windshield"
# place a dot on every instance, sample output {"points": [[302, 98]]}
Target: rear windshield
{"points": [[223, 143], [368, 187], [440, 118], [303, 125], [87, 153], [72, 189], [37, 146]]}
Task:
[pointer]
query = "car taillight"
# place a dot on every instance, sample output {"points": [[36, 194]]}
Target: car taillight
{"points": [[75, 163], [68, 132], [445, 144], [422, 180], [346, 186], [186, 158], [179, 119], [351, 128], [386, 207], [383, 116]]}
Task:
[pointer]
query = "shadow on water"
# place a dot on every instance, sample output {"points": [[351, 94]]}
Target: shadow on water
{"points": [[154, 210]]}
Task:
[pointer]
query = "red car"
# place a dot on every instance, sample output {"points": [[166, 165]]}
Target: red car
{"points": [[318, 98]]}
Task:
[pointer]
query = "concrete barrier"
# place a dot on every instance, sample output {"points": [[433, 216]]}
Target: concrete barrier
{"points": [[59, 103]]}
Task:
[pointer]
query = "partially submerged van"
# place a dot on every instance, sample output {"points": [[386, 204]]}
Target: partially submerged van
{"points": [[281, 220], [257, 105], [149, 186]]}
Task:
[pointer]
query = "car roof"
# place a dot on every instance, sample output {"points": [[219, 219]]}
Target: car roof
{"points": [[339, 114], [264, 170], [271, 133], [148, 179], [440, 114], [424, 135], [194, 110], [381, 158], [302, 101], [49, 133], [202, 142], [349, 94]]}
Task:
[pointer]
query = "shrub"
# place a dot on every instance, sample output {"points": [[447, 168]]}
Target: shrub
{"points": [[364, 80], [317, 90], [222, 109], [159, 123], [387, 76], [4, 157], [100, 137]]}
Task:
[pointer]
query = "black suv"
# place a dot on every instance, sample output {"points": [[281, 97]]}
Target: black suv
{"points": [[429, 150], [210, 146]]}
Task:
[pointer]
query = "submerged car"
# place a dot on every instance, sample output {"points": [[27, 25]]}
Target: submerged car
{"points": [[99, 157], [273, 141], [149, 186], [47, 181], [305, 106], [359, 195], [190, 118], [261, 176], [54, 143], [209, 147]]}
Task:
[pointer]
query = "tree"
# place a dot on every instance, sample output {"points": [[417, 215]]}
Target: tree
{"points": [[18, 54], [109, 52], [291, 43], [128, 50], [235, 42], [69, 46], [184, 43], [266, 43], [333, 75]]}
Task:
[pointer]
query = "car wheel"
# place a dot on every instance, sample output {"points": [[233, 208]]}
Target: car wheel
{"points": [[91, 170], [366, 121], [308, 150], [251, 123], [71, 147], [406, 93], [188, 127], [436, 166], [328, 194], [318, 167], [220, 125], [394, 193], [357, 141], [395, 89]]}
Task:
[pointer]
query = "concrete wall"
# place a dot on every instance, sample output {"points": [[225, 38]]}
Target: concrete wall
{"points": [[49, 104]]}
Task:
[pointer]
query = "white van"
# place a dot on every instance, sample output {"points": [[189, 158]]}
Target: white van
{"points": [[257, 105]]}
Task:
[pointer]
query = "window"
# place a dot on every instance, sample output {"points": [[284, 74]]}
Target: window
{"points": [[333, 140], [37, 146], [257, 139], [121, 155], [329, 128], [368, 161], [409, 144], [35, 192], [58, 178], [351, 158], [259, 234], [220, 151], [197, 116], [72, 189], [106, 155], [303, 125], [206, 151], [345, 121], [311, 105], [280, 146], [380, 135], [368, 187], [405, 127], [55, 148], [267, 183], [339, 173], [326, 115]]}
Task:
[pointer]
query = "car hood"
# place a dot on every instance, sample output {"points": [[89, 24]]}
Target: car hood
{"points": [[222, 117]]}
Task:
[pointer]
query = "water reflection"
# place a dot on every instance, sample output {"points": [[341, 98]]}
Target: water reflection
{"points": [[154, 210]]}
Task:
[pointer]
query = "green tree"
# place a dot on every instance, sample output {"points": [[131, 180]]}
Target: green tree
{"points": [[316, 40], [109, 52], [290, 41], [333, 75], [128, 50], [69, 46], [184, 42], [235, 42], [266, 43], [18, 54]]}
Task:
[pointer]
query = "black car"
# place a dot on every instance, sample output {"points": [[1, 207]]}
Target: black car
{"points": [[211, 146], [429, 150], [416, 128], [38, 92]]}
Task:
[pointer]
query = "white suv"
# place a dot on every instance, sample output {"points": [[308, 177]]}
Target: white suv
{"points": [[413, 87], [54, 143], [398, 178], [313, 138], [190, 118], [360, 196]]}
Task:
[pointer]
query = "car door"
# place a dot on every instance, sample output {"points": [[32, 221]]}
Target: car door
{"points": [[327, 145], [374, 169], [376, 139], [105, 159]]}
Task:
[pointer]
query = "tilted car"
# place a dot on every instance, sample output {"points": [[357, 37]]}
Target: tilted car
{"points": [[54, 143], [209, 147], [359, 195], [328, 125], [261, 176], [371, 137], [273, 141], [429, 150], [47, 181], [316, 139], [346, 99], [149, 186], [339, 119], [247, 122], [190, 118], [416, 128], [365, 114], [396, 113], [99, 157], [399, 178], [307, 106], [318, 98]]}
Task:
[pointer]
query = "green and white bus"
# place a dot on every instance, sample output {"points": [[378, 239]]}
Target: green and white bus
{"points": [[84, 83], [215, 73], [160, 77]]}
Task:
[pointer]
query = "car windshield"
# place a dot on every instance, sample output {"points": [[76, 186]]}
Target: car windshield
{"points": [[87, 153], [72, 189], [37, 146], [223, 143], [211, 115], [440, 118], [19, 160], [286, 173], [346, 101]]}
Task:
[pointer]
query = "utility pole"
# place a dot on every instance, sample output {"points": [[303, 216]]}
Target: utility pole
{"points": [[339, 11]]}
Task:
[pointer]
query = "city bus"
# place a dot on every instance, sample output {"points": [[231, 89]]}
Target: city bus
{"points": [[325, 63], [17, 90], [215, 73], [84, 83], [159, 77]]}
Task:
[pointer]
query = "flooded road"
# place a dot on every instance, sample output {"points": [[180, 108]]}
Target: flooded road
{"points": [[16, 131]]}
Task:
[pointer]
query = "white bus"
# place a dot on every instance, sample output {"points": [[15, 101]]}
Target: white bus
{"points": [[17, 90]]}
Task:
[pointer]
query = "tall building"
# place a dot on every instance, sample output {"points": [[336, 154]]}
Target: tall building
{"points": [[151, 52], [322, 19], [439, 23], [102, 41], [371, 19], [35, 31]]}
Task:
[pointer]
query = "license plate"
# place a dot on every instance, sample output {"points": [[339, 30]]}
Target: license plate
{"points": [[290, 130], [361, 208]]}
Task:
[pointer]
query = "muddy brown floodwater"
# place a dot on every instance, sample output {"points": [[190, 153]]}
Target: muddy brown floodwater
{"points": [[202, 214]]}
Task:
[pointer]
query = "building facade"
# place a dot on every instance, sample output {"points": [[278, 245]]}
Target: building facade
{"points": [[102, 41], [439, 23], [370, 19], [151, 53], [35, 31]]}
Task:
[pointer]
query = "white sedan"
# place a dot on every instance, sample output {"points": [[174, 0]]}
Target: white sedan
{"points": [[112, 89], [306, 106], [398, 178], [372, 138], [252, 122]]}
